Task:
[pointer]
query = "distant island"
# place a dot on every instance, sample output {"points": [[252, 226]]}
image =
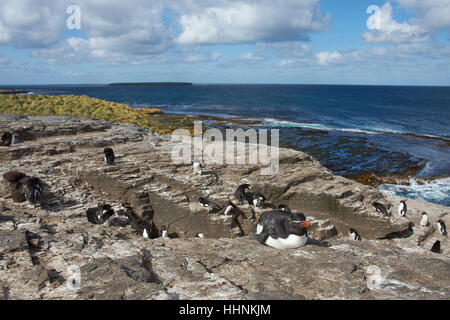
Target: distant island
{"points": [[10, 91], [149, 84]]}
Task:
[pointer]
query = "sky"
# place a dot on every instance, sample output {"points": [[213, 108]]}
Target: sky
{"points": [[396, 42]]}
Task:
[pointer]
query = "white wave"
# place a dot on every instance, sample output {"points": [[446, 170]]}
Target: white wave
{"points": [[436, 191]]}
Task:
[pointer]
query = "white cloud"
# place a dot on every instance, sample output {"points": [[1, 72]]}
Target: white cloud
{"points": [[432, 14], [326, 58], [393, 32], [31, 24], [203, 57], [250, 21], [136, 30]]}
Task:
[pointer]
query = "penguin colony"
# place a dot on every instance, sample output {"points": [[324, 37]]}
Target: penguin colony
{"points": [[278, 228]]}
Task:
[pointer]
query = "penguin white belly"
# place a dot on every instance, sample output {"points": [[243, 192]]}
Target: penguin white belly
{"points": [[259, 228], [291, 242], [424, 221], [197, 168], [228, 210]]}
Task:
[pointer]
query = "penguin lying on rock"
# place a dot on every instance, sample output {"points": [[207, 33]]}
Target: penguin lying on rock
{"points": [[24, 187], [100, 214], [280, 232]]}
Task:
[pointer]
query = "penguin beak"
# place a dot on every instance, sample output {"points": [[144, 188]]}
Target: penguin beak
{"points": [[304, 224]]}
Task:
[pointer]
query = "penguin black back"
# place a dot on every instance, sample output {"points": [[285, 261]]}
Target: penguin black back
{"points": [[381, 208], [442, 227], [240, 193], [436, 248], [32, 189], [7, 138], [208, 203], [109, 155]]}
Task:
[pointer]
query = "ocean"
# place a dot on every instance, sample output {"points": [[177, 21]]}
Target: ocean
{"points": [[351, 130]]}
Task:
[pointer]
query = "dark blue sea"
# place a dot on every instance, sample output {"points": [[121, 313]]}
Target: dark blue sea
{"points": [[349, 129]]}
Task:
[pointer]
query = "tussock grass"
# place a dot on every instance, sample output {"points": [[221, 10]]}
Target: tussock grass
{"points": [[87, 107]]}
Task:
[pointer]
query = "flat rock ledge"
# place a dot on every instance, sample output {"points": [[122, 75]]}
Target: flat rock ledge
{"points": [[51, 251]]}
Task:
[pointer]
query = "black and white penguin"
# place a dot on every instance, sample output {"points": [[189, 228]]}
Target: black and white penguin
{"points": [[99, 215], [198, 167], [210, 204], [200, 235], [7, 139], [381, 208], [281, 232], [269, 215], [32, 189], [164, 233], [354, 235], [424, 221], [109, 155], [240, 193], [229, 208], [284, 207], [402, 208], [436, 248], [258, 199], [442, 227]]}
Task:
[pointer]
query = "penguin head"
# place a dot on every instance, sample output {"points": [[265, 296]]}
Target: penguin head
{"points": [[108, 151], [297, 228], [163, 228], [424, 213]]}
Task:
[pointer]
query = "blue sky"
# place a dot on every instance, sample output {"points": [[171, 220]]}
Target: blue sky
{"points": [[225, 41]]}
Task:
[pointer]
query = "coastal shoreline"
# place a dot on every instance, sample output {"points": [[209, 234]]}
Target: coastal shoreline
{"points": [[12, 91], [162, 123]]}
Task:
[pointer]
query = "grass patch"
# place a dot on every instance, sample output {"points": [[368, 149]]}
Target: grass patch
{"points": [[86, 107]]}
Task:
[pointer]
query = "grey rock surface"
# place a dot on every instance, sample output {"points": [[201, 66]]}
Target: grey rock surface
{"points": [[43, 248]]}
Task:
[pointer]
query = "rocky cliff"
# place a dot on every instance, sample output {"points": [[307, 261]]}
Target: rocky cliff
{"points": [[44, 248]]}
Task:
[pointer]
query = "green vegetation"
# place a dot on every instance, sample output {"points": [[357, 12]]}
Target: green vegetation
{"points": [[87, 107]]}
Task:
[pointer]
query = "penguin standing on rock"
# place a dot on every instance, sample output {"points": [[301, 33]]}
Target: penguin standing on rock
{"points": [[424, 221], [7, 139], [381, 209], [198, 167], [402, 208], [258, 199], [240, 193], [354, 235], [164, 232], [109, 155], [436, 248], [442, 227], [229, 208]]}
